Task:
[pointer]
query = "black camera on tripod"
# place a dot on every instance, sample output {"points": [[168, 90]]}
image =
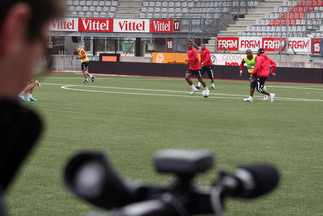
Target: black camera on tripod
{"points": [[89, 176]]}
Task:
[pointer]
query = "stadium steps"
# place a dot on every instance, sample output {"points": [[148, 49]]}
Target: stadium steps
{"points": [[128, 9], [251, 18]]}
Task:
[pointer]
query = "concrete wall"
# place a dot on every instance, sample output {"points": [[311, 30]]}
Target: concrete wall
{"points": [[69, 63]]}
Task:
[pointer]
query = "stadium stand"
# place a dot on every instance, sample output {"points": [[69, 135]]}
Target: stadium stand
{"points": [[208, 19], [262, 19], [92, 8], [291, 14]]}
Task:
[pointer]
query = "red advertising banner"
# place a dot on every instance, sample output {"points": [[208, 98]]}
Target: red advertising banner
{"points": [[161, 26], [316, 46], [228, 43], [250, 43], [273, 44], [96, 25]]}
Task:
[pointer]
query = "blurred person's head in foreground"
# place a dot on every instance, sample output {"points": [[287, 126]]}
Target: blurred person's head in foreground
{"points": [[24, 30]]}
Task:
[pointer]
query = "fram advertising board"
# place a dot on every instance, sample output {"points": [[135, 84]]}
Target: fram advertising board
{"points": [[249, 43], [227, 43], [67, 24], [298, 45], [302, 45], [273, 44]]}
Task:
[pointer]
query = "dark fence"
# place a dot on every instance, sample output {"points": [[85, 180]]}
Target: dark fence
{"points": [[302, 75]]}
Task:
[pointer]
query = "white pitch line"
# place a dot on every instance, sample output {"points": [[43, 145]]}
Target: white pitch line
{"points": [[227, 96], [145, 94], [298, 88]]}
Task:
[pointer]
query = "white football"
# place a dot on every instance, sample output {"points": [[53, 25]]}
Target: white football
{"points": [[205, 93]]}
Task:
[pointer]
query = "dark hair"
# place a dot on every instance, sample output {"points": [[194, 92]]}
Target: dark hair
{"points": [[42, 12], [261, 50]]}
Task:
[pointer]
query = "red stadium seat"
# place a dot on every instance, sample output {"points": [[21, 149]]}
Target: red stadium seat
{"points": [[320, 3], [310, 9], [302, 9], [291, 16], [296, 10], [284, 22], [292, 22], [272, 22], [297, 16], [315, 3]]}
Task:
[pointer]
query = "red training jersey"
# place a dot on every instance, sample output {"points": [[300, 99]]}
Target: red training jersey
{"points": [[206, 57], [263, 63], [193, 59]]}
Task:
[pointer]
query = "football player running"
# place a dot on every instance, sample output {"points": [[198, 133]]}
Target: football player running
{"points": [[206, 63], [194, 68]]}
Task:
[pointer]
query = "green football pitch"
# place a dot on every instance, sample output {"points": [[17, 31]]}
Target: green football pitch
{"points": [[130, 118]]}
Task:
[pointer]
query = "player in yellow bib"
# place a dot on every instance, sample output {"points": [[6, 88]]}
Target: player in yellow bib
{"points": [[85, 64], [250, 60]]}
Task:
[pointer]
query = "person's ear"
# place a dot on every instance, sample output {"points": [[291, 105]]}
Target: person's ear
{"points": [[14, 28]]}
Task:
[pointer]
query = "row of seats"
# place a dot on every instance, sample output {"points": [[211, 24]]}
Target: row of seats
{"points": [[102, 15], [293, 22], [166, 4], [274, 28], [298, 9], [293, 19], [92, 3], [278, 34], [92, 9]]}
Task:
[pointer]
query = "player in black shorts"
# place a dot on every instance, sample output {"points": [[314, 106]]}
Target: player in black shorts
{"points": [[210, 73], [206, 63]]}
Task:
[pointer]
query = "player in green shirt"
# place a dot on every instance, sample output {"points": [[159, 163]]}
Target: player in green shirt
{"points": [[250, 60]]}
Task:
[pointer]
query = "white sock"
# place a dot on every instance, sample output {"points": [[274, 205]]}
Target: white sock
{"points": [[250, 97], [213, 85], [265, 88], [30, 96], [87, 79], [91, 76], [206, 88], [22, 93], [193, 86], [199, 84]]}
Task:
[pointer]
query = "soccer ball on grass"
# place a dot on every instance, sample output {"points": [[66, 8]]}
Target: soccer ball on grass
{"points": [[205, 93]]}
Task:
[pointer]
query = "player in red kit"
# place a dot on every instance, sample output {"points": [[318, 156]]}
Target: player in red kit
{"points": [[194, 68], [206, 63], [262, 69]]}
